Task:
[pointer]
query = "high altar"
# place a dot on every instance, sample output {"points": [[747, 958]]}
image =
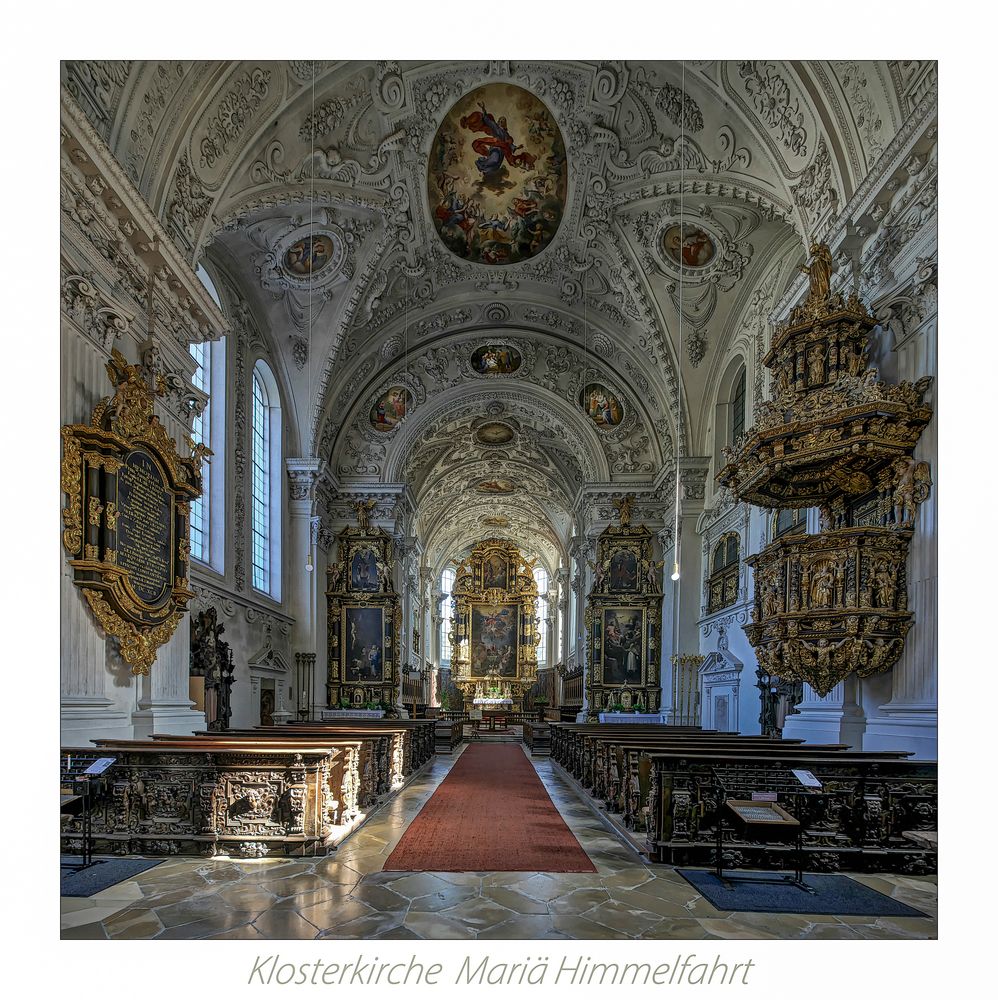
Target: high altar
{"points": [[495, 626]]}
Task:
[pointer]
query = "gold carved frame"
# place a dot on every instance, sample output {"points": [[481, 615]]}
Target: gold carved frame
{"points": [[612, 591], [343, 593], [93, 455], [470, 593]]}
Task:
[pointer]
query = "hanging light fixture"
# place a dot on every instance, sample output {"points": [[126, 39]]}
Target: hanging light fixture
{"points": [[679, 370], [309, 567]]}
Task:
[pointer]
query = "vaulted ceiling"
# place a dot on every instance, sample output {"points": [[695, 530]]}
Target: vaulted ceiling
{"points": [[243, 159]]}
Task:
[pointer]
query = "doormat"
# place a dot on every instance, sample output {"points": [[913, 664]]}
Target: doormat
{"points": [[102, 874], [836, 895]]}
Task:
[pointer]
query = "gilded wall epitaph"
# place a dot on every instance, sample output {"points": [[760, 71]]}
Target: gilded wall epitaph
{"points": [[126, 519]]}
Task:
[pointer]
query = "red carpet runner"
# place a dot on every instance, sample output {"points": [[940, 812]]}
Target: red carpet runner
{"points": [[490, 814]]}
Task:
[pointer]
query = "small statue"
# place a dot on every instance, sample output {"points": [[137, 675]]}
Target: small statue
{"points": [[883, 584], [816, 364], [364, 509], [821, 588], [624, 507], [819, 271]]}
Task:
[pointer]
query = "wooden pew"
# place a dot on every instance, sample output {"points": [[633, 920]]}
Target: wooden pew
{"points": [[855, 822], [174, 797]]}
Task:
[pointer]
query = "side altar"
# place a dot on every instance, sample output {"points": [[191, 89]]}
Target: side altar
{"points": [[364, 620], [624, 620], [495, 632]]}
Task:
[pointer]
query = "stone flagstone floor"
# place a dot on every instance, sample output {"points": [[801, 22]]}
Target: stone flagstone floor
{"points": [[347, 896]]}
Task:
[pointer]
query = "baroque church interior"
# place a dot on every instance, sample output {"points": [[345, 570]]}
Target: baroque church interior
{"points": [[546, 436]]}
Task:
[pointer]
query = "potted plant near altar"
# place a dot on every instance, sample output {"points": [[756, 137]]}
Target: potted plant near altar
{"points": [[540, 703]]}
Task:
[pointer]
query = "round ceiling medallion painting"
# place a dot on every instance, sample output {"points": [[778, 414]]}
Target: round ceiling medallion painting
{"points": [[694, 248], [309, 255], [497, 178], [603, 407], [496, 359], [494, 433], [390, 408]]}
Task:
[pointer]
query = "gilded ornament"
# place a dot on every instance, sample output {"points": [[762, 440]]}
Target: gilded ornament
{"points": [[126, 439]]}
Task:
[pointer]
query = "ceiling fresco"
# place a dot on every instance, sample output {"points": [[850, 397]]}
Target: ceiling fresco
{"points": [[474, 272]]}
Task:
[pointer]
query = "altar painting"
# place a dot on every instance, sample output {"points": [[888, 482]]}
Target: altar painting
{"points": [[624, 571], [494, 640], [364, 570], [365, 644], [623, 646], [495, 572]]}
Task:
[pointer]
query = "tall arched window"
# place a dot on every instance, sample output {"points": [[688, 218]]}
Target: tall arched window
{"points": [[201, 432], [738, 408], [265, 483], [207, 516], [722, 587], [541, 579], [447, 579], [790, 522]]}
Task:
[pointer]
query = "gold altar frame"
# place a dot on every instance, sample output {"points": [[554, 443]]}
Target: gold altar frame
{"points": [[469, 594], [341, 596], [609, 594]]}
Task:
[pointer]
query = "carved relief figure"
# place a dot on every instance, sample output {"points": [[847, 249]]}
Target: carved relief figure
{"points": [[822, 587], [816, 364], [883, 585]]}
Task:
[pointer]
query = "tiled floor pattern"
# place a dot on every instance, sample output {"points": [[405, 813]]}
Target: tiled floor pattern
{"points": [[347, 895]]}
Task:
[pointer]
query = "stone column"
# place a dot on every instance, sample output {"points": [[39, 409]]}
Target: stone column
{"points": [[580, 552], [909, 720], [304, 583], [836, 718], [681, 607]]}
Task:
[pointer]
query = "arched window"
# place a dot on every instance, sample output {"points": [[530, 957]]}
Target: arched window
{"points": [[207, 516], [541, 579], [201, 432], [265, 483], [722, 586], [738, 407], [447, 579], [790, 522]]}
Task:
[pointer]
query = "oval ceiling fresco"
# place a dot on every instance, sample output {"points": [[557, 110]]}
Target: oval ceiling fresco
{"points": [[497, 177], [496, 359], [390, 408], [309, 255], [603, 406], [494, 432], [695, 248]]}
